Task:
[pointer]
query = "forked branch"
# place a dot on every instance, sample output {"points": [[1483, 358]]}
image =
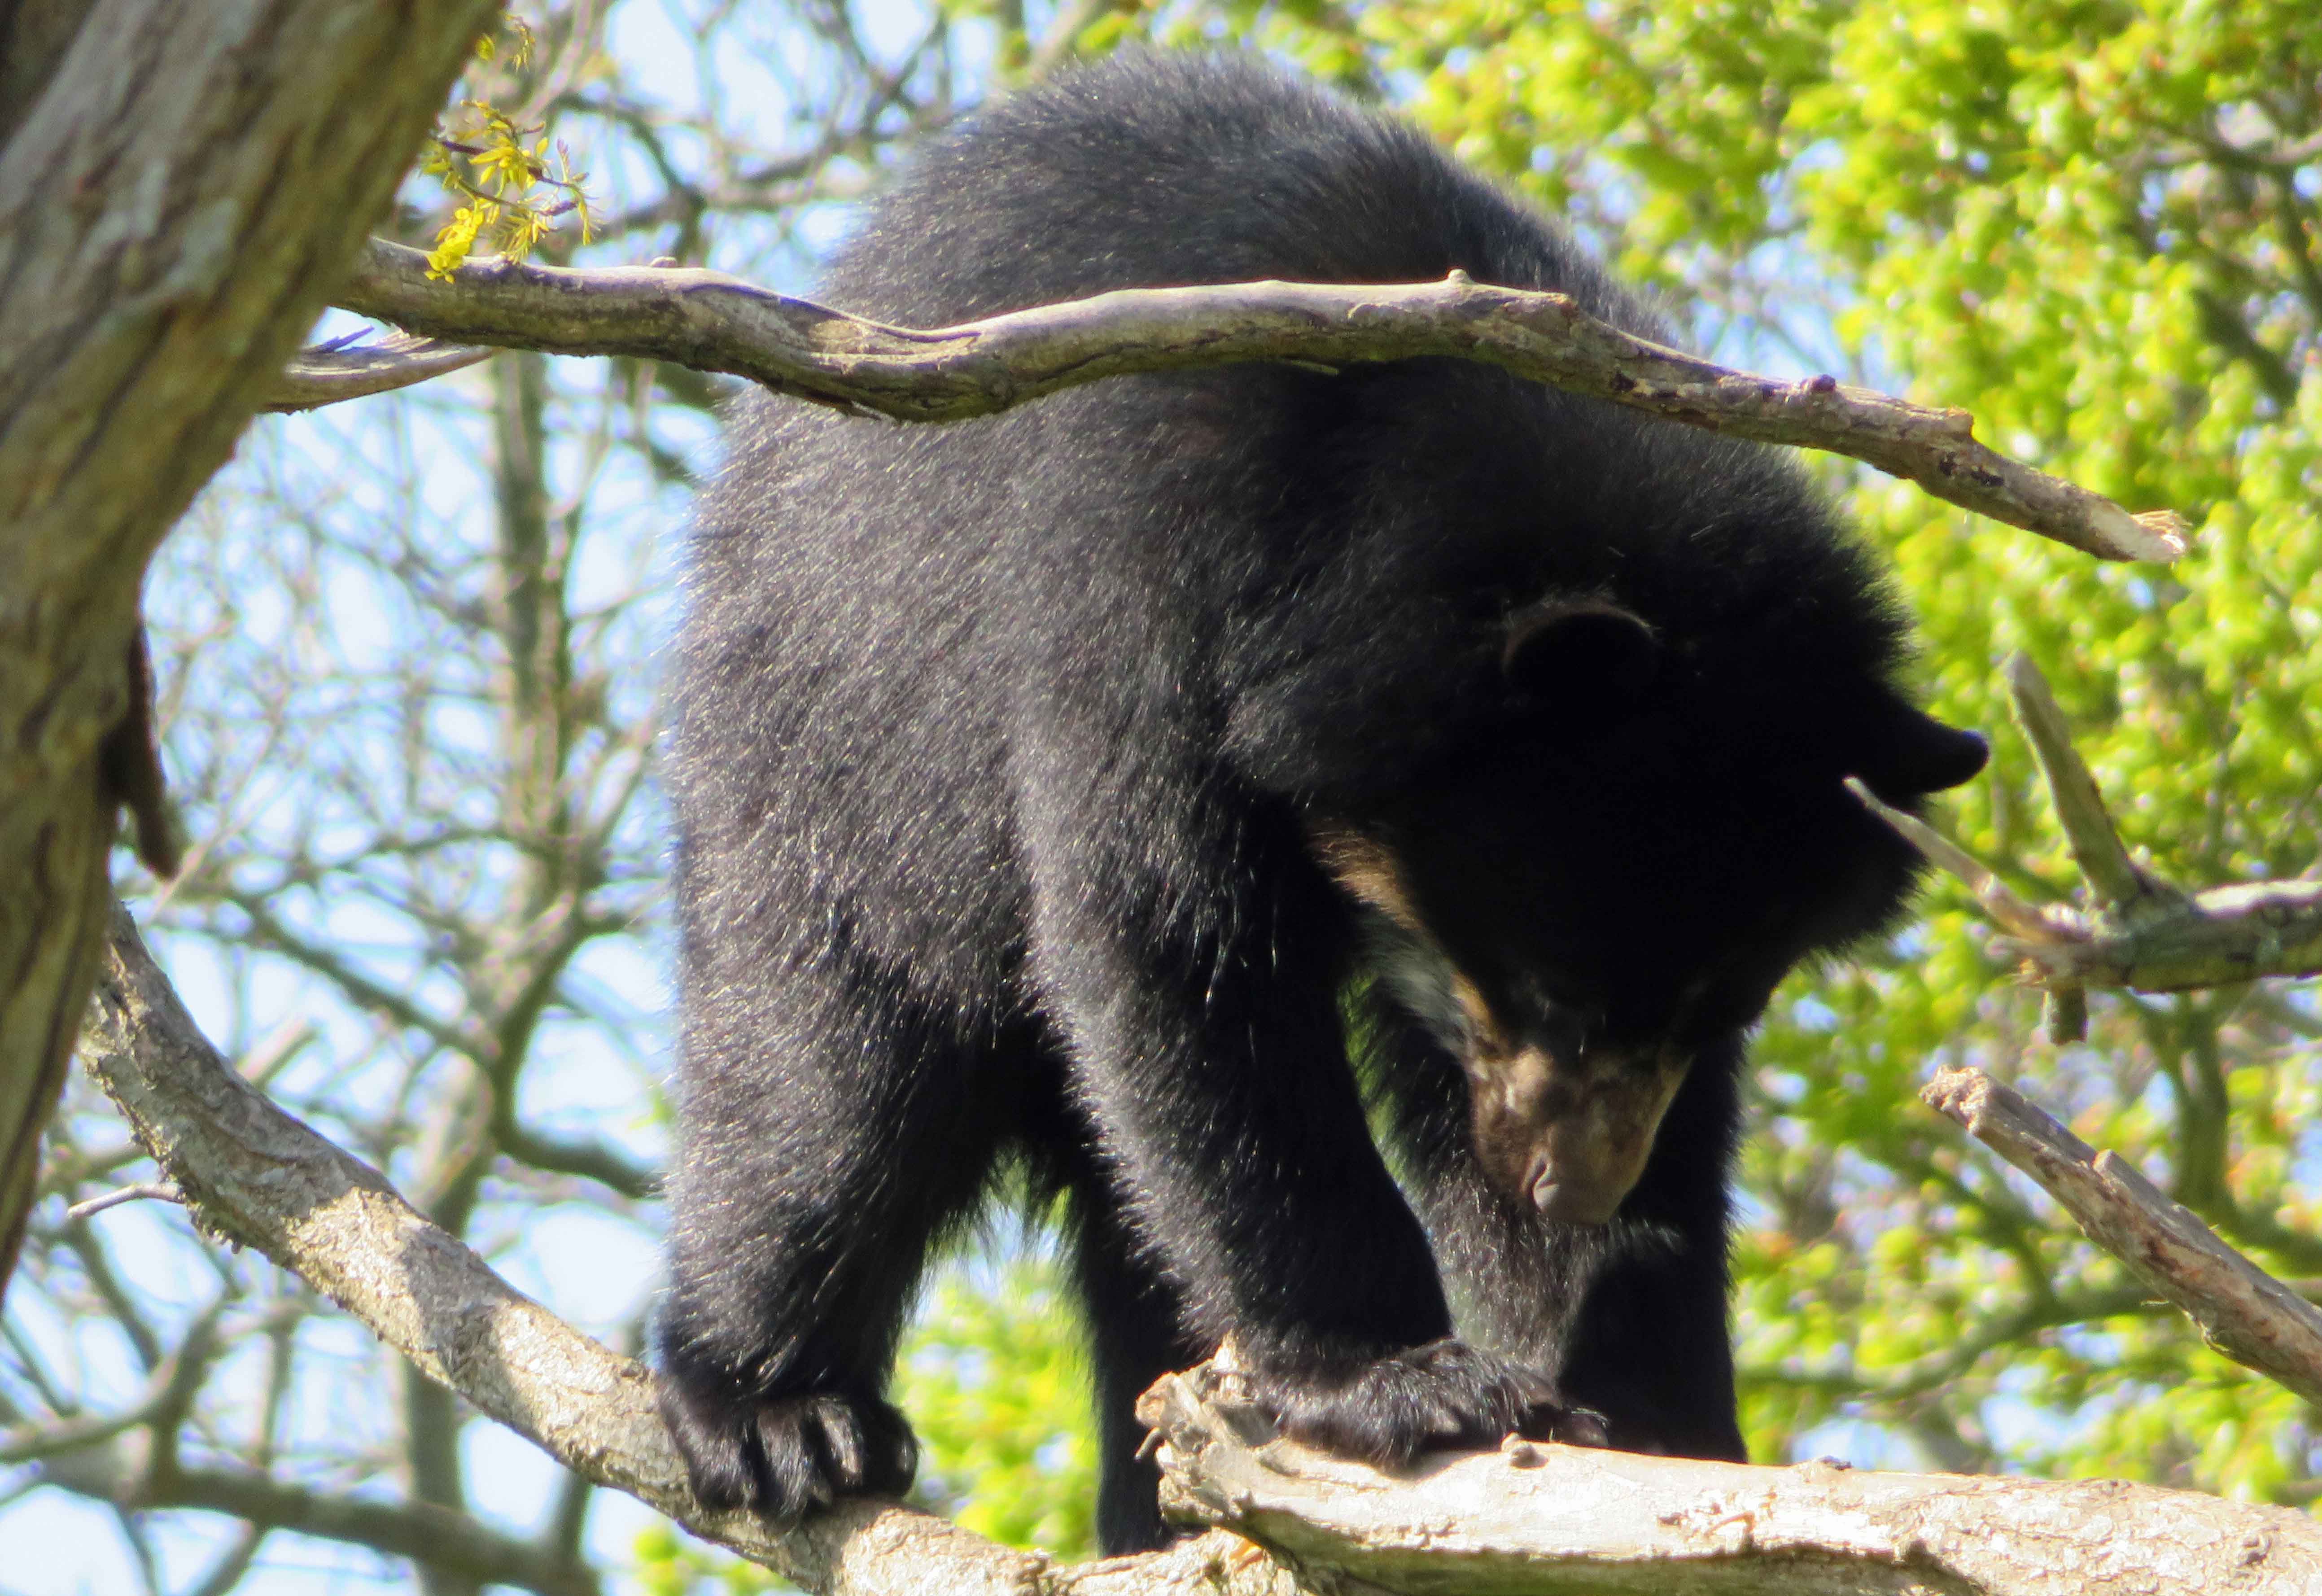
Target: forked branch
{"points": [[2138, 930]]}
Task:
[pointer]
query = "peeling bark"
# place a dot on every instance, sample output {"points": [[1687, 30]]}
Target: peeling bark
{"points": [[1569, 1522]]}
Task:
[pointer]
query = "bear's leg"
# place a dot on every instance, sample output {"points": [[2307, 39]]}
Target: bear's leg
{"points": [[829, 1140], [1206, 1046], [1630, 1318], [1135, 1339], [1649, 1346]]}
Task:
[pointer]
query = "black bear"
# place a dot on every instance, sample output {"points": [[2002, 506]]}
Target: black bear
{"points": [[1151, 786]]}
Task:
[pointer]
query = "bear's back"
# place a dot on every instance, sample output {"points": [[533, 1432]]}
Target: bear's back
{"points": [[1296, 578], [1153, 169]]}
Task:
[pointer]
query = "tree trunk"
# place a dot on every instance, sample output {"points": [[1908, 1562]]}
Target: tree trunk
{"points": [[180, 189]]}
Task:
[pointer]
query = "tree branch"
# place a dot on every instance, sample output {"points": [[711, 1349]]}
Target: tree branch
{"points": [[714, 323], [2243, 1312], [2143, 933], [1536, 1520], [1527, 1520], [328, 373], [256, 1176], [559, 1156], [437, 1537]]}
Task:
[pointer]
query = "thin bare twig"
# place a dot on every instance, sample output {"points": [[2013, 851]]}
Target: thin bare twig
{"points": [[327, 373], [711, 321], [156, 1190]]}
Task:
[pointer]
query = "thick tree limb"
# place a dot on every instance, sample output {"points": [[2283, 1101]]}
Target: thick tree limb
{"points": [[1530, 1519], [1567, 1521], [2140, 933], [255, 1176], [2243, 1312], [713, 323], [179, 189]]}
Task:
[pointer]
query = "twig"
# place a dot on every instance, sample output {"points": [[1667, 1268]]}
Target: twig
{"points": [[438, 1537], [158, 1190], [2142, 933], [327, 373], [2243, 1312], [169, 1391], [1997, 897], [714, 323], [2117, 880]]}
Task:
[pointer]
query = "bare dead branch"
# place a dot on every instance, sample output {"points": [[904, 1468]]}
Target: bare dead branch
{"points": [[327, 373], [1528, 1520], [2143, 933], [2243, 1312], [711, 321], [2000, 901], [1549, 1520], [2115, 880]]}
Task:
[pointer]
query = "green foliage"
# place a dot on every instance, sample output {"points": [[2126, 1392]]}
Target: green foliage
{"points": [[2093, 224], [510, 182], [995, 1379], [663, 1561]]}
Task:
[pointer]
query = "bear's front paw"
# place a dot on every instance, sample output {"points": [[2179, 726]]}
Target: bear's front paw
{"points": [[786, 1455], [1443, 1395]]}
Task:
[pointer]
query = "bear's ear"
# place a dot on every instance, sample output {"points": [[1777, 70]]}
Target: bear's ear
{"points": [[1909, 753], [1588, 661]]}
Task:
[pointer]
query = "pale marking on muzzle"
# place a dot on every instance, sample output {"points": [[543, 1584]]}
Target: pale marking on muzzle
{"points": [[1584, 1127]]}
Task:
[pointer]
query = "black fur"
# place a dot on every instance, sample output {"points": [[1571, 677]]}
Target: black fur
{"points": [[1044, 782]]}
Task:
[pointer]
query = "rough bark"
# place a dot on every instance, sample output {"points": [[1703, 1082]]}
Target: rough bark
{"points": [[181, 188], [715, 323], [1567, 1521], [1292, 1523]]}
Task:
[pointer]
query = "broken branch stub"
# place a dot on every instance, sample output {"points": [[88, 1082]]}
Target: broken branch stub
{"points": [[2243, 1312]]}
